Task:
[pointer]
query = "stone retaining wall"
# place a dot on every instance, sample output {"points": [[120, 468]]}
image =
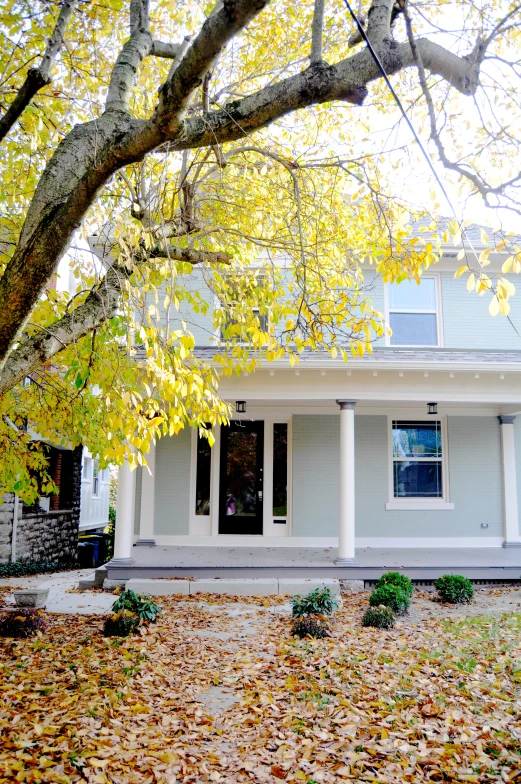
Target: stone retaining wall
{"points": [[40, 535]]}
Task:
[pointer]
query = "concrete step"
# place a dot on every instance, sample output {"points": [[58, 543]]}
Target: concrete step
{"points": [[94, 580], [267, 586]]}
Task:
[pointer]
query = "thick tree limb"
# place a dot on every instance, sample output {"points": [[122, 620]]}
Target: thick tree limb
{"points": [[220, 28], [100, 305], [38, 77]]}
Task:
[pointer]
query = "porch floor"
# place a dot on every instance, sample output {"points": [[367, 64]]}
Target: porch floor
{"points": [[478, 563]]}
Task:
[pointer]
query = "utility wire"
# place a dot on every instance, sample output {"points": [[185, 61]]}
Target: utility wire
{"points": [[426, 155], [398, 102]]}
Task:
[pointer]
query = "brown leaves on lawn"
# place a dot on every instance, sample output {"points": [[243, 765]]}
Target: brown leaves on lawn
{"points": [[223, 693]]}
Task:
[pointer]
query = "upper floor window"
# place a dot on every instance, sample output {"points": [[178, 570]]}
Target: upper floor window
{"points": [[414, 313], [263, 319]]}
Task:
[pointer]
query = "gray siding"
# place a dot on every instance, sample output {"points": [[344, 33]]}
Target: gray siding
{"points": [[172, 499], [467, 322], [474, 473], [316, 444]]}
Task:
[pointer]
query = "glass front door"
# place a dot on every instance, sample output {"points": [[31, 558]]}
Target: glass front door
{"points": [[240, 497]]}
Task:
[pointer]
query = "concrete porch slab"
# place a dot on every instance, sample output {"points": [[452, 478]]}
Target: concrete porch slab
{"points": [[292, 586], [478, 563]]}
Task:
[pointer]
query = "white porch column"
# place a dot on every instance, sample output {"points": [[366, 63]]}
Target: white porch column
{"points": [[124, 533], [148, 497], [346, 517], [510, 510]]}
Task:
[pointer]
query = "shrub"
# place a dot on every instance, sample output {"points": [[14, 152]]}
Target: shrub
{"points": [[380, 617], [454, 589], [120, 624], [142, 606], [21, 623], [390, 596], [318, 602], [22, 568], [397, 579], [311, 626]]}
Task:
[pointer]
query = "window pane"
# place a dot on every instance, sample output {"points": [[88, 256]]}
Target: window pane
{"points": [[202, 482], [407, 295], [415, 479], [417, 439], [413, 329], [280, 470]]}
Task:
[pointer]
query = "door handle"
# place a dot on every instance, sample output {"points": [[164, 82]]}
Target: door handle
{"points": [[260, 495]]}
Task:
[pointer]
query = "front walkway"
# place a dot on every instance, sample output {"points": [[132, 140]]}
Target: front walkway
{"points": [[421, 563], [59, 599]]}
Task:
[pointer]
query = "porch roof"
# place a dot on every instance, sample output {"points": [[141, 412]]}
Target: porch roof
{"points": [[412, 358]]}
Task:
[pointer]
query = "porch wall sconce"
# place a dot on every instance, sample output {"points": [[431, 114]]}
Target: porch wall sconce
{"points": [[240, 406], [432, 408]]}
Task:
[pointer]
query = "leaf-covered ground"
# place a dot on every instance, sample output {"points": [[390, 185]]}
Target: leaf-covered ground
{"points": [[222, 692]]}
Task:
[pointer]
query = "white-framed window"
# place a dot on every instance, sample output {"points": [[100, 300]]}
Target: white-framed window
{"points": [[414, 312], [87, 469], [95, 479], [263, 326], [418, 476]]}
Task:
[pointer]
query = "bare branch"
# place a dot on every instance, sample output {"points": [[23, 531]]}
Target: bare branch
{"points": [[317, 32], [138, 46], [41, 76], [190, 255], [167, 50]]}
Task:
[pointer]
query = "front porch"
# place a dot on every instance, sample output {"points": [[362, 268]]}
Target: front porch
{"points": [[425, 564]]}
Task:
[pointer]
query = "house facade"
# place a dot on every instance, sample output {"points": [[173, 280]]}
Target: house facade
{"points": [[415, 446]]}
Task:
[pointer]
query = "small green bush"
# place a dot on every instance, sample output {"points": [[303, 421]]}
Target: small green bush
{"points": [[311, 626], [21, 624], [318, 602], [397, 579], [142, 606], [21, 568], [454, 589], [390, 596], [122, 623], [380, 617]]}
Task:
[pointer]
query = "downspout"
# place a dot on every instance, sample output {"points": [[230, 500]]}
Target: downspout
{"points": [[14, 528]]}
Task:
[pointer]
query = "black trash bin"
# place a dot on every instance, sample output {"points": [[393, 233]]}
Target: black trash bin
{"points": [[87, 552]]}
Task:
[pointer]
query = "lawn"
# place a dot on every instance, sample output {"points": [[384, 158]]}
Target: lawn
{"points": [[222, 692]]}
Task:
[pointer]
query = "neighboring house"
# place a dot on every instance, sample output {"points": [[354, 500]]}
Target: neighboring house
{"points": [[413, 446], [48, 530], [95, 487]]}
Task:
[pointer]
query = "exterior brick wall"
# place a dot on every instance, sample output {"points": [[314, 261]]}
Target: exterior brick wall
{"points": [[43, 536]]}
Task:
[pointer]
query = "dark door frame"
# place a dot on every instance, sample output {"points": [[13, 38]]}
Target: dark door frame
{"points": [[235, 524]]}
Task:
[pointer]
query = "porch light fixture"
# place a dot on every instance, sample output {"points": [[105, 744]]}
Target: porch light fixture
{"points": [[240, 406], [432, 408]]}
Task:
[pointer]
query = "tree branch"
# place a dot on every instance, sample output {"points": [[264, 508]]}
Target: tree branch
{"points": [[139, 45], [191, 255], [317, 32], [219, 28], [38, 77]]}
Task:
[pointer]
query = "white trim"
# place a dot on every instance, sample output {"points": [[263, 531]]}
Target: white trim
{"points": [[437, 312], [200, 525], [443, 503], [417, 506], [404, 542]]}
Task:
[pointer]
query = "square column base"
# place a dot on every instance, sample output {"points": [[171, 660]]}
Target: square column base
{"points": [[145, 543], [121, 562], [512, 544], [346, 561]]}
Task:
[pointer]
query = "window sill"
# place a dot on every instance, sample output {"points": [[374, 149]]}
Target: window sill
{"points": [[417, 506]]}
